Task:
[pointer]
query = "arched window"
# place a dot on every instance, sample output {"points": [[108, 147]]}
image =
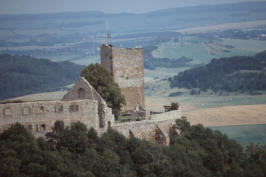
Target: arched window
{"points": [[81, 93]]}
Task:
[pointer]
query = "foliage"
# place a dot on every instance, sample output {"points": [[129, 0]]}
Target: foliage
{"points": [[101, 80], [21, 75], [151, 62], [226, 74], [77, 152]]}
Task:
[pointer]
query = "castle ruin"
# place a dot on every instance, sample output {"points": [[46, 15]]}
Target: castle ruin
{"points": [[82, 103]]}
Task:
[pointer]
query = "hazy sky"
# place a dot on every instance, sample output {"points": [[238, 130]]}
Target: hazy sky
{"points": [[109, 6]]}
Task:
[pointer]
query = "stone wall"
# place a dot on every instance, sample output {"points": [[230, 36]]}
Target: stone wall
{"points": [[83, 90], [150, 129], [39, 117], [127, 68], [166, 115]]}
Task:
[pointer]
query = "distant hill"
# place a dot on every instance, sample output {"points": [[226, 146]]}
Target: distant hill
{"points": [[239, 73], [160, 20], [21, 75], [74, 36]]}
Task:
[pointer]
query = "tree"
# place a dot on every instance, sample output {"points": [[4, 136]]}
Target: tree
{"points": [[74, 139], [101, 80]]}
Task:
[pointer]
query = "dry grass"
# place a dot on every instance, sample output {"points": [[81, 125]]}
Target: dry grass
{"points": [[220, 116], [228, 115]]}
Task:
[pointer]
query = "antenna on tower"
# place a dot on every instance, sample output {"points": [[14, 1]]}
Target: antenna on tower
{"points": [[108, 40]]}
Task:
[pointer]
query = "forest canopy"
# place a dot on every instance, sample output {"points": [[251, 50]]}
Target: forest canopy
{"points": [[238, 73], [75, 151]]}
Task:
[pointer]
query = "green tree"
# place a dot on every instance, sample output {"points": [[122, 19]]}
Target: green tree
{"points": [[74, 139], [101, 80]]}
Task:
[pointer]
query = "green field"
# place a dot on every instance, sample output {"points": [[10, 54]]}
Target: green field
{"points": [[203, 50], [244, 134], [161, 88]]}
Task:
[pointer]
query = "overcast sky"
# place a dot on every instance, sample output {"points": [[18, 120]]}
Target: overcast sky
{"points": [[108, 6]]}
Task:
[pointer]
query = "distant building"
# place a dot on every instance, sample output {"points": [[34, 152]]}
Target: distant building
{"points": [[127, 68]]}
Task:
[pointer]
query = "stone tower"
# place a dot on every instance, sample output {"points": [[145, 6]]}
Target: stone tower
{"points": [[127, 68]]}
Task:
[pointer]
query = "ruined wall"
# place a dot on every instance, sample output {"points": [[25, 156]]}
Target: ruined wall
{"points": [[166, 115], [127, 68], [83, 90], [39, 117], [150, 129]]}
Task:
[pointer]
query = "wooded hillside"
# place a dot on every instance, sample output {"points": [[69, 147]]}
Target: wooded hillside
{"points": [[238, 73], [21, 75]]}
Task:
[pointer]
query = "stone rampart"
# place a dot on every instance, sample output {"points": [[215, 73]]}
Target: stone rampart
{"points": [[159, 125]]}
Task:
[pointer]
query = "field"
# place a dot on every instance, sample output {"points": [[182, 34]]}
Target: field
{"points": [[244, 134], [202, 50]]}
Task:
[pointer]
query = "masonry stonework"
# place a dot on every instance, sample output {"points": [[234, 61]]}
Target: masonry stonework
{"points": [[127, 68], [81, 104], [83, 90], [39, 117], [157, 129]]}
